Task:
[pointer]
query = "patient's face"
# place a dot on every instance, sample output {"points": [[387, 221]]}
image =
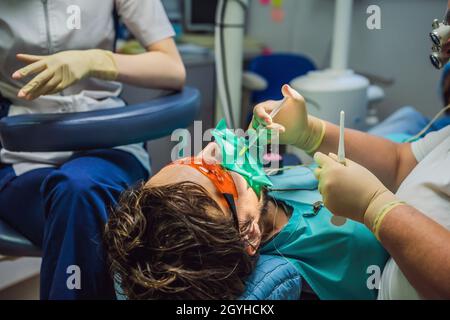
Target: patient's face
{"points": [[249, 206]]}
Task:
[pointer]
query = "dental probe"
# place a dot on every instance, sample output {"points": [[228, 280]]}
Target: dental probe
{"points": [[256, 137], [335, 220], [341, 148]]}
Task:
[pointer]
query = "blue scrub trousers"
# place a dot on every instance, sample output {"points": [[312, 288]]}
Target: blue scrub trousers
{"points": [[64, 210]]}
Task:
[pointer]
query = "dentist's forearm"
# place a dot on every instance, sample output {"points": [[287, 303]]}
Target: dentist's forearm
{"points": [[160, 68], [420, 248], [390, 162], [150, 70]]}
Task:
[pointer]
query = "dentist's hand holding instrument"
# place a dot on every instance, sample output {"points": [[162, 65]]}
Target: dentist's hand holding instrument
{"points": [[351, 190], [259, 128], [291, 120]]}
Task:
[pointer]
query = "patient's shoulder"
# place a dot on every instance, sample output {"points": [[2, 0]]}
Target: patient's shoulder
{"points": [[423, 147]]}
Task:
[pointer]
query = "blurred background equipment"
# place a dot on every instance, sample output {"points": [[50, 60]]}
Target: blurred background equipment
{"points": [[338, 88], [199, 15], [229, 54]]}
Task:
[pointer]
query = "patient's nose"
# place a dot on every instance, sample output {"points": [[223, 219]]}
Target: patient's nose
{"points": [[211, 154]]}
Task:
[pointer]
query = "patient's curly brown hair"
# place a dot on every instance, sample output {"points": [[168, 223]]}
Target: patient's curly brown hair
{"points": [[174, 242]]}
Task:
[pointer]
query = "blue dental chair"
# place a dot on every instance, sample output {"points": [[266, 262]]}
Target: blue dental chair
{"points": [[278, 69], [274, 277], [91, 130]]}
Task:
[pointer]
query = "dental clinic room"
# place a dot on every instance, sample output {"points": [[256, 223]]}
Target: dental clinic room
{"points": [[225, 155]]}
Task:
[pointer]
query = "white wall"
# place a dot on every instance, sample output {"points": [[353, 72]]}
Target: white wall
{"points": [[14, 271], [400, 50]]}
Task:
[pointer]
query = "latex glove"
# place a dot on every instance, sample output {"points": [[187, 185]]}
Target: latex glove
{"points": [[58, 71], [351, 190], [294, 125]]}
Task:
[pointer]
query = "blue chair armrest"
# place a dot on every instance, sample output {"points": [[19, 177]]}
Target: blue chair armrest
{"points": [[14, 244], [100, 128]]}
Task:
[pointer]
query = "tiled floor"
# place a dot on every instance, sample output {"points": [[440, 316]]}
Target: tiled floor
{"points": [[25, 290]]}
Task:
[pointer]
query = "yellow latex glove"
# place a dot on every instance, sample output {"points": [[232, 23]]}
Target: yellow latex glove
{"points": [[58, 71], [293, 123], [352, 191]]}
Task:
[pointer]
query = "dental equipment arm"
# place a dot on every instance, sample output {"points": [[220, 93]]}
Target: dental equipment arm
{"points": [[420, 248], [229, 52]]}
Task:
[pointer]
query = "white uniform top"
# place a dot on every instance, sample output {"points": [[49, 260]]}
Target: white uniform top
{"points": [[42, 28], [427, 188]]}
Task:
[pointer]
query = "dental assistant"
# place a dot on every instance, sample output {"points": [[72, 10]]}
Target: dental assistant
{"points": [[61, 200], [401, 192]]}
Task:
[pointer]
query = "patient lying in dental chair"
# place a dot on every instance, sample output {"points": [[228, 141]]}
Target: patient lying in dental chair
{"points": [[195, 231]]}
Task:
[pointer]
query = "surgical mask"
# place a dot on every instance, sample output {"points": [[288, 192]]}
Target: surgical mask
{"points": [[247, 164]]}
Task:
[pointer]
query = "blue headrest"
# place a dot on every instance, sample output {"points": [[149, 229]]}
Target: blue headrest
{"points": [[275, 278]]}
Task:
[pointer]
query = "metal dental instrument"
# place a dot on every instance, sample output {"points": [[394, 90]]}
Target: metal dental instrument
{"points": [[335, 220], [341, 148], [278, 108], [256, 137]]}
